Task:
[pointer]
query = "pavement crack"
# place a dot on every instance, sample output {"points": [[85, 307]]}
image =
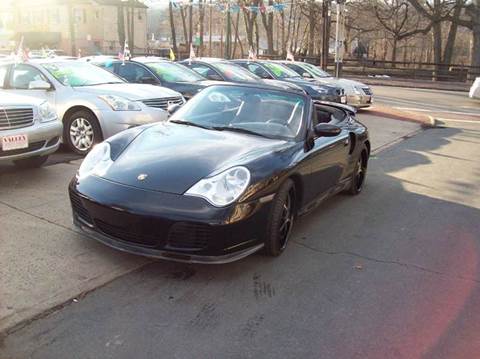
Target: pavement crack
{"points": [[38, 217], [384, 261]]}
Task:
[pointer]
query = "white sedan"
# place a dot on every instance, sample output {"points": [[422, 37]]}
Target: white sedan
{"points": [[475, 89]]}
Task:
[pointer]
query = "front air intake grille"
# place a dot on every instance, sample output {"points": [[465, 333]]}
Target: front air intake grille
{"points": [[164, 102], [79, 209], [11, 118], [31, 147], [127, 233], [184, 235]]}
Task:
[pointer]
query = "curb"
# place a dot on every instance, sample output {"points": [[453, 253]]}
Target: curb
{"points": [[381, 111]]}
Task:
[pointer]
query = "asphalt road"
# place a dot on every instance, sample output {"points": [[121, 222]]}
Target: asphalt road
{"points": [[443, 104], [392, 273]]}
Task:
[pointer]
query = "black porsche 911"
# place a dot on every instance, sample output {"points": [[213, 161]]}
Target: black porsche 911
{"points": [[224, 177]]}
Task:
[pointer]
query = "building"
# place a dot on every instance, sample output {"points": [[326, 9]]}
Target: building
{"points": [[89, 26]]}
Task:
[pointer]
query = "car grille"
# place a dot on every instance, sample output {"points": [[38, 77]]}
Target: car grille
{"points": [[15, 118], [164, 102], [367, 91], [79, 209], [189, 235], [128, 233], [31, 147], [340, 92]]}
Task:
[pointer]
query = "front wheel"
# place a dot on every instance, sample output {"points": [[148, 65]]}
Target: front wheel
{"points": [[82, 132], [31, 162], [281, 220]]}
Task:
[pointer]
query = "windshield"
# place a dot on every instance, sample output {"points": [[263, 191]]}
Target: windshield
{"points": [[268, 113], [76, 74], [316, 71], [280, 71], [170, 72], [235, 73]]}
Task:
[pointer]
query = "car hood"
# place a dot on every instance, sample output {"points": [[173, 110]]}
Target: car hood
{"points": [[9, 99], [132, 92], [174, 157]]}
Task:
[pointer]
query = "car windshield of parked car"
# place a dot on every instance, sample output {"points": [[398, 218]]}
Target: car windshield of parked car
{"points": [[266, 113], [281, 71], [316, 71], [170, 72], [236, 73], [76, 74]]}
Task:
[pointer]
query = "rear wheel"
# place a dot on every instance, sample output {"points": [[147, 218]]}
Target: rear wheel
{"points": [[31, 162], [281, 220], [359, 174], [82, 131]]}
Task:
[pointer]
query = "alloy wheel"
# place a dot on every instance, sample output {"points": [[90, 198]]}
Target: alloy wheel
{"points": [[286, 221], [360, 175], [81, 134]]}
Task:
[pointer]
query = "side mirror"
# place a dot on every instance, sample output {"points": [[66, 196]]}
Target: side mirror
{"points": [[327, 130], [171, 109], [39, 85], [307, 75]]}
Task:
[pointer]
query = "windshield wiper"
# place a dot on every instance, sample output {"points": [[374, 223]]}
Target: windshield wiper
{"points": [[188, 123], [238, 129]]}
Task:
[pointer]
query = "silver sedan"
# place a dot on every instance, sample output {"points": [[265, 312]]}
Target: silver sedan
{"points": [[29, 130], [92, 103]]}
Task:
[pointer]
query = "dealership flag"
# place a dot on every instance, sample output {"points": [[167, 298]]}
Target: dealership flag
{"points": [[290, 56], [251, 54], [172, 55], [126, 52]]}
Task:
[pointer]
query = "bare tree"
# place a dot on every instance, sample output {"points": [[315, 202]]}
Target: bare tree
{"points": [[172, 27], [267, 20]]}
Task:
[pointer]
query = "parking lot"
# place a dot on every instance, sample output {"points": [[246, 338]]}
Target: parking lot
{"points": [[392, 273]]}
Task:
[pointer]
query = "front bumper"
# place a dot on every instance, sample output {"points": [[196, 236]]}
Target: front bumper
{"points": [[330, 98], [43, 139], [165, 225], [113, 122], [359, 100]]}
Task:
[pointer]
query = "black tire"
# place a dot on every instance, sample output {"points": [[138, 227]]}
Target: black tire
{"points": [[281, 220], [31, 162], [359, 174], [84, 126]]}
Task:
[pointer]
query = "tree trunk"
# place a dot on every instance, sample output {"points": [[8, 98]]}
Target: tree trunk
{"points": [[228, 37], [452, 34], [267, 20], [394, 51], [201, 19], [172, 28], [237, 37], [185, 32], [284, 45], [476, 44], [311, 23], [121, 25], [210, 30], [257, 36]]}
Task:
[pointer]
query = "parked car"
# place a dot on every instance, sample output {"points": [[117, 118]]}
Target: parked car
{"points": [[222, 70], [475, 89], [29, 130], [358, 94], [92, 103], [254, 158], [266, 69], [150, 70]]}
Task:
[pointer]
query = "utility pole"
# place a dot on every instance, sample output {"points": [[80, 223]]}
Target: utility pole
{"points": [[339, 37]]}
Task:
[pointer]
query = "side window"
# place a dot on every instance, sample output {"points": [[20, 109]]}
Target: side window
{"points": [[202, 70], [3, 75], [259, 71], [23, 74], [134, 73]]}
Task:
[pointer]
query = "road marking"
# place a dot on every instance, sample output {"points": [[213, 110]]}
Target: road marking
{"points": [[438, 111], [409, 102], [453, 120]]}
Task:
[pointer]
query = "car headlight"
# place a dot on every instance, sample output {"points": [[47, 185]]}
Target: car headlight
{"points": [[46, 112], [224, 188], [321, 90], [96, 162], [118, 103]]}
